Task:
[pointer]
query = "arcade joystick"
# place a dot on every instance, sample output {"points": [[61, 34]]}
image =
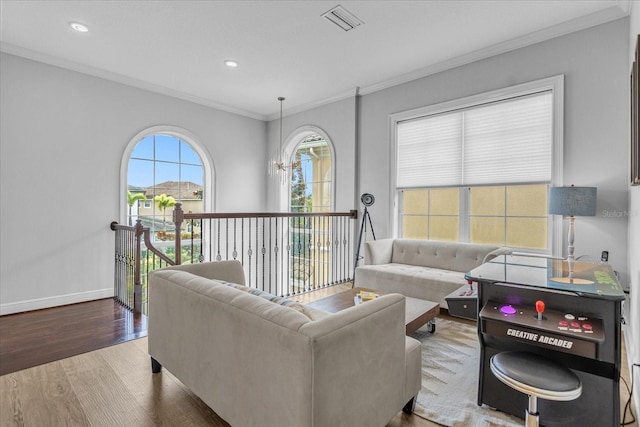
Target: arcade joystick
{"points": [[470, 282], [539, 309]]}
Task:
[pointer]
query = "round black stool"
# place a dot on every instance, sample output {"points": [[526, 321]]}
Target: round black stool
{"points": [[535, 376]]}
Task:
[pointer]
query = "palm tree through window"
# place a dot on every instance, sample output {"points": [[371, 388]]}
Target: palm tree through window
{"points": [[163, 170]]}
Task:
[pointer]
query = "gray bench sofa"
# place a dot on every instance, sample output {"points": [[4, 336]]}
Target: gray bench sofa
{"points": [[425, 269], [257, 362]]}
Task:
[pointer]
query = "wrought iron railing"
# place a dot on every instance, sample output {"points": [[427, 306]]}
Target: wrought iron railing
{"points": [[282, 253], [135, 256]]}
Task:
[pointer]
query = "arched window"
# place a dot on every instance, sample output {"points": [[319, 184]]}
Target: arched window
{"points": [[310, 191], [312, 177], [164, 166]]}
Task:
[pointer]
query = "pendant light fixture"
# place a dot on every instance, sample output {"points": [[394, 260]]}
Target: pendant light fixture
{"points": [[279, 164]]}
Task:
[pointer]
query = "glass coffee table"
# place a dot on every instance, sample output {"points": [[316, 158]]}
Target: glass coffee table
{"points": [[419, 312]]}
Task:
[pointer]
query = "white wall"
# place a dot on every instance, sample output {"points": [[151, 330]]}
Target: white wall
{"points": [[63, 135], [594, 62], [632, 331], [337, 120]]}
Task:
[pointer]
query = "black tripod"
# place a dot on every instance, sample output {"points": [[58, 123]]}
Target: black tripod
{"points": [[367, 201]]}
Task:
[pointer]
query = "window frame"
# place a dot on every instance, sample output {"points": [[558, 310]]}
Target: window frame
{"points": [[186, 136], [290, 147], [465, 215], [313, 182], [554, 84]]}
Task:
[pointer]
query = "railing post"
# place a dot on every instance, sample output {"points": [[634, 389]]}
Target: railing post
{"points": [[178, 217], [137, 283]]}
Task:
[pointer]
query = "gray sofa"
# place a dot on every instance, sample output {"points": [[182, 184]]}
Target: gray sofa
{"points": [[256, 362], [425, 269]]}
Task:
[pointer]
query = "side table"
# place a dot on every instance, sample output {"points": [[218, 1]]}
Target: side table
{"points": [[463, 302]]}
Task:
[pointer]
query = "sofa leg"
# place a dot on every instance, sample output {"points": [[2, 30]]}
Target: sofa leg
{"points": [[408, 408], [155, 366]]}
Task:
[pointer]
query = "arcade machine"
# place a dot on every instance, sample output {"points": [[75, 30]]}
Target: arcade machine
{"points": [[529, 304]]}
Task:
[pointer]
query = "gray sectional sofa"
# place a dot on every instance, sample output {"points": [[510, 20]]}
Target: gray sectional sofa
{"points": [[425, 269], [258, 362]]}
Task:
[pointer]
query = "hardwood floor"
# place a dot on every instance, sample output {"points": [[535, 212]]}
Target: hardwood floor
{"points": [[36, 337], [111, 386]]}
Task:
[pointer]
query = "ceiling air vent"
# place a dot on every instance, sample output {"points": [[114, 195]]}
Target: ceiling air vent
{"points": [[342, 18]]}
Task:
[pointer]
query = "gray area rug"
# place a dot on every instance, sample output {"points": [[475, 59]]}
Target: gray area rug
{"points": [[450, 359]]}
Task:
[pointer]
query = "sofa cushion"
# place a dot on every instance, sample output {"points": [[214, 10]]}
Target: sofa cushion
{"points": [[195, 288], [454, 256], [230, 271], [285, 302]]}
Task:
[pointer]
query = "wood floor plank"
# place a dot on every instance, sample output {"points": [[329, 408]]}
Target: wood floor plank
{"points": [[42, 336], [101, 392], [11, 407], [41, 396], [161, 395]]}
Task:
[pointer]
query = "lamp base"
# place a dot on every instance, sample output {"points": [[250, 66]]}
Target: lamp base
{"points": [[572, 280]]}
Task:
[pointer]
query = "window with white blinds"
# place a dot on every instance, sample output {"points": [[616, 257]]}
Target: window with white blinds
{"points": [[509, 141], [478, 169]]}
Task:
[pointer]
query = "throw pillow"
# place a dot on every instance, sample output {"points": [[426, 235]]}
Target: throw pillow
{"points": [[285, 302]]}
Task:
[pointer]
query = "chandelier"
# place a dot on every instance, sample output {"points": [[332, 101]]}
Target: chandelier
{"points": [[280, 164]]}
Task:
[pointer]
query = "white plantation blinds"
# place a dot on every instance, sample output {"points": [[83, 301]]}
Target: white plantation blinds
{"points": [[429, 151], [508, 141]]}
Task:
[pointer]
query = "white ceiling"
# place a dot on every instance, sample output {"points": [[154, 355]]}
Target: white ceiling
{"points": [[285, 48]]}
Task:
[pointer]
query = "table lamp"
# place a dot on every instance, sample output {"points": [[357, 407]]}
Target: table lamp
{"points": [[572, 201]]}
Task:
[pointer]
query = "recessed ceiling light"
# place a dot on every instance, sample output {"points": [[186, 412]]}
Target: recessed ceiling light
{"points": [[231, 63], [76, 26]]}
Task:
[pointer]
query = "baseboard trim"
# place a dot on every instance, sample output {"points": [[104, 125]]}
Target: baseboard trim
{"points": [[40, 303]]}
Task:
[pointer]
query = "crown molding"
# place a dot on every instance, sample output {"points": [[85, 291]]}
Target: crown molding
{"points": [[622, 9], [119, 78], [613, 13], [347, 94], [587, 21], [625, 6]]}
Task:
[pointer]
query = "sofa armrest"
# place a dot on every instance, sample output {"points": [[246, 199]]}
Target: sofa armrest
{"points": [[378, 251], [228, 271], [497, 252], [359, 363]]}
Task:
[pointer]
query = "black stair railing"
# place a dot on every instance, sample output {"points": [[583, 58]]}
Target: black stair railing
{"points": [[135, 257], [282, 253]]}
